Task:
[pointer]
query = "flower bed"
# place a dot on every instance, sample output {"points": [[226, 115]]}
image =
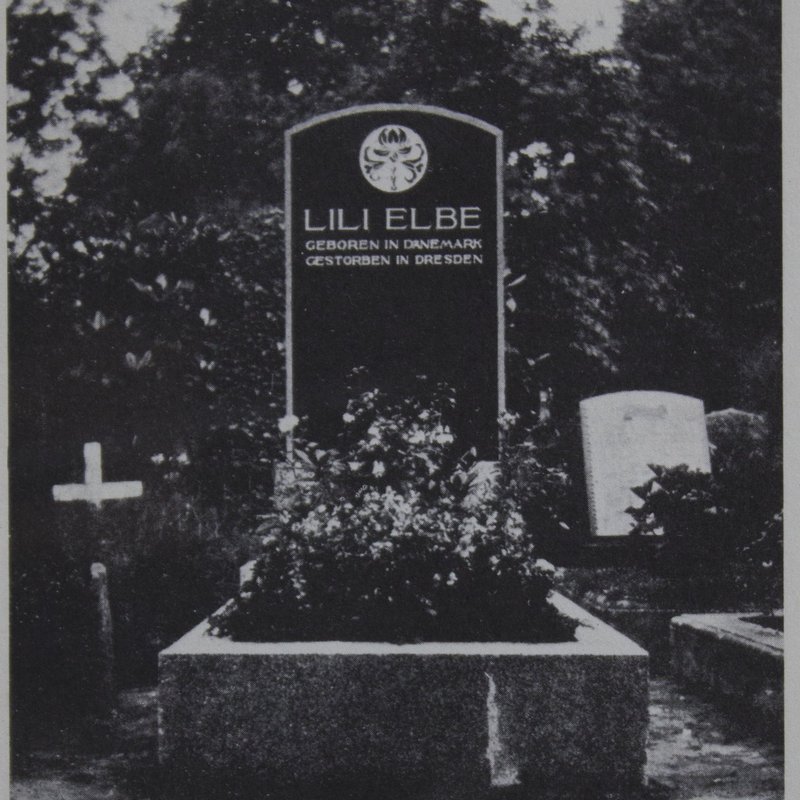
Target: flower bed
{"points": [[393, 535], [398, 634]]}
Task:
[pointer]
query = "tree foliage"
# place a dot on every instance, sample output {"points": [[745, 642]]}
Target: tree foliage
{"points": [[641, 192], [709, 77]]}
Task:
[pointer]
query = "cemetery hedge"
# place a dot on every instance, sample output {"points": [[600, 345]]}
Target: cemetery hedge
{"points": [[718, 537]]}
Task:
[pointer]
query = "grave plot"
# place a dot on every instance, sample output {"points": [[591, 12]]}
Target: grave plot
{"points": [[394, 262]]}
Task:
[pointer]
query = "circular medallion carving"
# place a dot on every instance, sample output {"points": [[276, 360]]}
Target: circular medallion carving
{"points": [[393, 158]]}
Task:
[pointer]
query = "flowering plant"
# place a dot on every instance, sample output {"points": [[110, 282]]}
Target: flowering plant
{"points": [[390, 536]]}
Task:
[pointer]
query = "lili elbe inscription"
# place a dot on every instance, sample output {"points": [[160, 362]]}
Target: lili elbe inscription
{"points": [[394, 261]]}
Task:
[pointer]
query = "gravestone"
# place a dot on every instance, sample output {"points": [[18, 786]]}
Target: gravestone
{"points": [[394, 262], [623, 433]]}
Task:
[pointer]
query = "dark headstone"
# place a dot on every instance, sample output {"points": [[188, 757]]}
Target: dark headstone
{"points": [[394, 262]]}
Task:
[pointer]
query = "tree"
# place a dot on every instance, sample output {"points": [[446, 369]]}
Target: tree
{"points": [[604, 290], [215, 102], [709, 79], [57, 71]]}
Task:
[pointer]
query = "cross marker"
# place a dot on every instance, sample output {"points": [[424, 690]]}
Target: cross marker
{"points": [[93, 490]]}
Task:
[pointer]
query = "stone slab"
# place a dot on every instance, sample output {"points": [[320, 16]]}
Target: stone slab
{"points": [[457, 715], [648, 627], [623, 433], [733, 658]]}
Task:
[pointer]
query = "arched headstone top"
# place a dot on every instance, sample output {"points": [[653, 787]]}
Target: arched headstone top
{"points": [[392, 108]]}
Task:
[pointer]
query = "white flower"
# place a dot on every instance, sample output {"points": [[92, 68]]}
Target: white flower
{"points": [[378, 469], [508, 420], [348, 418], [417, 437], [288, 423], [158, 458], [544, 566], [536, 149], [444, 438], [295, 87], [182, 458]]}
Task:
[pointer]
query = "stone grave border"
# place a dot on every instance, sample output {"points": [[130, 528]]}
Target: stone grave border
{"points": [[460, 714], [734, 659]]}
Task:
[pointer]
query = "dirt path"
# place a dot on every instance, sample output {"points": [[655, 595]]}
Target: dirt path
{"points": [[696, 752]]}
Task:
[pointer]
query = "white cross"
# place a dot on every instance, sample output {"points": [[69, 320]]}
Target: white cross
{"points": [[93, 490]]}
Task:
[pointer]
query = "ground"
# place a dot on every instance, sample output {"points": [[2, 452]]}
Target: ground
{"points": [[695, 752]]}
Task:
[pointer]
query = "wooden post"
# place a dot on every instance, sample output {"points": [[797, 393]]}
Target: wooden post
{"points": [[105, 640]]}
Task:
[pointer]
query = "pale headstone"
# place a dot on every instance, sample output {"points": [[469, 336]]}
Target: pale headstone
{"points": [[623, 433], [93, 490]]}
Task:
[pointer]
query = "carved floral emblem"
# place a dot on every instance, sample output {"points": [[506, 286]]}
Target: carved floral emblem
{"points": [[393, 158]]}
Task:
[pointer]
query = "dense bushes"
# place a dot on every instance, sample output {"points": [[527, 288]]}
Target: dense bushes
{"points": [[169, 565], [718, 538], [177, 563], [395, 535], [542, 463]]}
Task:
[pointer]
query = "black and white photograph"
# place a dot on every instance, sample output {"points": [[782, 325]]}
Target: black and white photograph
{"points": [[396, 399]]}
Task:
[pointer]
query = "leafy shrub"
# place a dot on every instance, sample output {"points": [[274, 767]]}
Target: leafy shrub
{"points": [[761, 573], [550, 501], [708, 537], [736, 437], [394, 535], [747, 465], [172, 561], [680, 505]]}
